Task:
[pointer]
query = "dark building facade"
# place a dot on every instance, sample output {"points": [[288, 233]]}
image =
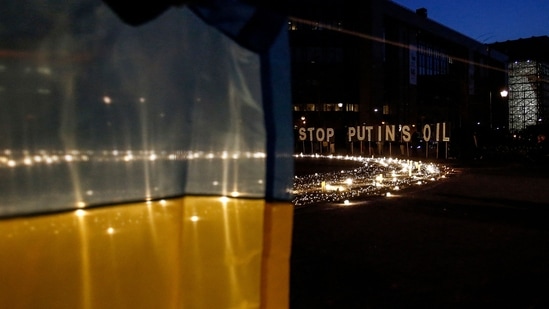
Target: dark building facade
{"points": [[376, 63]]}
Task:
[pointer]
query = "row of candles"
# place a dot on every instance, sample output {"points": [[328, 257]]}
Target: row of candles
{"points": [[373, 177]]}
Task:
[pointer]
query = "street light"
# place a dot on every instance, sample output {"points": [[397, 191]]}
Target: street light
{"points": [[503, 93]]}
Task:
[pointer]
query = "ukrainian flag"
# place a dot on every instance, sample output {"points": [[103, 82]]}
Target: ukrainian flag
{"points": [[145, 155]]}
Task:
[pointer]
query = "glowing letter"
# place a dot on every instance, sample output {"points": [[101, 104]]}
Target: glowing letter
{"points": [[426, 132], [361, 133], [351, 132], [406, 136], [320, 134], [310, 133], [390, 133], [444, 137], [329, 133], [369, 129], [379, 134], [302, 134]]}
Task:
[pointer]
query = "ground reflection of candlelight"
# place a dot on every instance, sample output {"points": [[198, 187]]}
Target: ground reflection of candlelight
{"points": [[375, 177]]}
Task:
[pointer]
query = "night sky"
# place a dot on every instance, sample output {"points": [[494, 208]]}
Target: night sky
{"points": [[488, 21]]}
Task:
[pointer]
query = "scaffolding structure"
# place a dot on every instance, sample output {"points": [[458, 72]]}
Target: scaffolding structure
{"points": [[528, 94]]}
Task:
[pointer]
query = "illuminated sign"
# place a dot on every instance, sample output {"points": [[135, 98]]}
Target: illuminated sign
{"points": [[436, 132], [316, 134]]}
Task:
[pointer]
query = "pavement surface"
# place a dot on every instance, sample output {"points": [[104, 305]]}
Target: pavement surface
{"points": [[477, 239]]}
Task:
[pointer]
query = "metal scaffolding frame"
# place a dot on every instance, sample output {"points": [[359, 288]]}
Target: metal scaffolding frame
{"points": [[528, 94]]}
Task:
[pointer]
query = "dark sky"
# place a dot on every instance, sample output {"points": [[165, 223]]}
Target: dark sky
{"points": [[488, 21]]}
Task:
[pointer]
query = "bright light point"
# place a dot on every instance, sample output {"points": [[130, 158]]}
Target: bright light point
{"points": [[110, 231], [68, 158], [80, 213], [80, 204], [397, 188], [215, 183], [346, 202], [152, 157], [224, 199], [11, 163], [333, 188], [388, 194], [194, 218], [235, 194], [107, 100], [89, 192], [163, 202], [349, 181]]}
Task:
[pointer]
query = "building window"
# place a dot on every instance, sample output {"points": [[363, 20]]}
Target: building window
{"points": [[432, 60], [292, 26], [352, 107], [325, 55]]}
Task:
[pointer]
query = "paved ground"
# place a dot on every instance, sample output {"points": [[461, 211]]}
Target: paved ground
{"points": [[479, 239]]}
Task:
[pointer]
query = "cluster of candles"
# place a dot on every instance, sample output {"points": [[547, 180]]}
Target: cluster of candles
{"points": [[373, 177]]}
